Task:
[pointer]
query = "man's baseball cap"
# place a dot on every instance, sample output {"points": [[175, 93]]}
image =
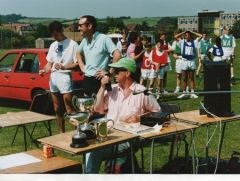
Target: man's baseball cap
{"points": [[126, 63]]}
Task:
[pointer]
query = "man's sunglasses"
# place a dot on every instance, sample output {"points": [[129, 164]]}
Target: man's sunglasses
{"points": [[82, 24], [117, 70]]}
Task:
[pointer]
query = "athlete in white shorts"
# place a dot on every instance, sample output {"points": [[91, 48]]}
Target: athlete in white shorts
{"points": [[148, 71], [188, 64], [229, 48], [61, 59], [166, 47], [159, 58]]}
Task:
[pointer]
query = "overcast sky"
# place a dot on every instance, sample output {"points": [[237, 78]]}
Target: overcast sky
{"points": [[115, 8]]}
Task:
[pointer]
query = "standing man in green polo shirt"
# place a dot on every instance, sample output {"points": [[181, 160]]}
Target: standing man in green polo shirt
{"points": [[203, 47], [94, 54]]}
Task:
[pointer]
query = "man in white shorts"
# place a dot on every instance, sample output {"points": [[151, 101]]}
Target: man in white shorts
{"points": [[61, 59], [229, 46], [188, 64]]}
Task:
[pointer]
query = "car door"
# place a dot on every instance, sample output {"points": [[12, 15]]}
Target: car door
{"points": [[6, 68], [25, 77]]}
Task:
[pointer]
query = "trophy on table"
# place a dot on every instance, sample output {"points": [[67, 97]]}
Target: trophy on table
{"points": [[84, 130]]}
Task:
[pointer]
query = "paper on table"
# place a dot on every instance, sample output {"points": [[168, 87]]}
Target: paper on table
{"points": [[15, 160]]}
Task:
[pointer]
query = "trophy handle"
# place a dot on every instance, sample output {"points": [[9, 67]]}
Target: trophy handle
{"points": [[75, 103], [112, 123]]}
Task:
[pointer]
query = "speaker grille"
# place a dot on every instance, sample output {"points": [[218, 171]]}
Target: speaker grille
{"points": [[217, 78]]}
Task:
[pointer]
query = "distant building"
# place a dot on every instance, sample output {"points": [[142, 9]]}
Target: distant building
{"points": [[19, 28], [209, 21], [228, 19], [188, 23]]}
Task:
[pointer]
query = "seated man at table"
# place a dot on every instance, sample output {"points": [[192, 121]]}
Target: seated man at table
{"points": [[120, 105]]}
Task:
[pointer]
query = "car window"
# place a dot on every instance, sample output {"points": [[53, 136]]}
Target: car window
{"points": [[7, 62], [29, 63]]}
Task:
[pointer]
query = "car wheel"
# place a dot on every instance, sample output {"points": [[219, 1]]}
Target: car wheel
{"points": [[49, 104]]}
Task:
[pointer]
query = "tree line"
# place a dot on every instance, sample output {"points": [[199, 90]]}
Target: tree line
{"points": [[10, 39]]}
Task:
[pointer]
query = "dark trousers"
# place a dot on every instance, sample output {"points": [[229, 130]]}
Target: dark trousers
{"points": [[91, 85]]}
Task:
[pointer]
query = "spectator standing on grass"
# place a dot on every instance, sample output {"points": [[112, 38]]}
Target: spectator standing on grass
{"points": [[148, 70], [94, 54], [159, 58], [166, 46], [123, 39], [135, 51], [216, 52], [188, 64], [61, 60], [203, 47], [229, 48], [176, 47]]}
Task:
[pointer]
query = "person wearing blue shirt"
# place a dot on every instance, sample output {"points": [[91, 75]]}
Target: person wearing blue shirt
{"points": [[188, 64], [94, 54]]}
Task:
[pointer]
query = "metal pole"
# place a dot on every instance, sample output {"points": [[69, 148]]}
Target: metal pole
{"points": [[11, 37], [132, 156], [206, 151], [1, 38], [148, 92], [151, 156]]}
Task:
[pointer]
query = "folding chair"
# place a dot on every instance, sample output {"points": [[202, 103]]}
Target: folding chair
{"points": [[171, 109]]}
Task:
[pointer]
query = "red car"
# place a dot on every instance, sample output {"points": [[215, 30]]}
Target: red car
{"points": [[19, 78]]}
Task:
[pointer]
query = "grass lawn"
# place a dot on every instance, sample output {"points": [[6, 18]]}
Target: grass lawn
{"points": [[231, 141]]}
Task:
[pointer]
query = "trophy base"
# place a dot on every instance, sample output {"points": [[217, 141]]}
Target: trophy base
{"points": [[79, 145]]}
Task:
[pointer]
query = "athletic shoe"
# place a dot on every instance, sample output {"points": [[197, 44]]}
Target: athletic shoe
{"points": [[177, 90], [157, 95], [165, 92], [193, 96], [182, 96], [232, 79]]}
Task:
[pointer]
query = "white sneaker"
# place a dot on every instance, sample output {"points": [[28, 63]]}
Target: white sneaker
{"points": [[182, 96], [193, 96], [157, 95], [165, 92], [177, 90]]}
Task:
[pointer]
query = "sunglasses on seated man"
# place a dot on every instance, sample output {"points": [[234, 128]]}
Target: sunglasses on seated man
{"points": [[117, 70]]}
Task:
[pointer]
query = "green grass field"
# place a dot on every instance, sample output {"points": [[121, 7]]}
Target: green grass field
{"points": [[231, 141]]}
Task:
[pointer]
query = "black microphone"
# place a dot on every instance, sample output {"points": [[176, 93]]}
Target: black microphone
{"points": [[108, 85], [145, 92]]}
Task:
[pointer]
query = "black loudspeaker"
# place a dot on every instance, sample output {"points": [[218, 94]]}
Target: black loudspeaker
{"points": [[217, 78]]}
